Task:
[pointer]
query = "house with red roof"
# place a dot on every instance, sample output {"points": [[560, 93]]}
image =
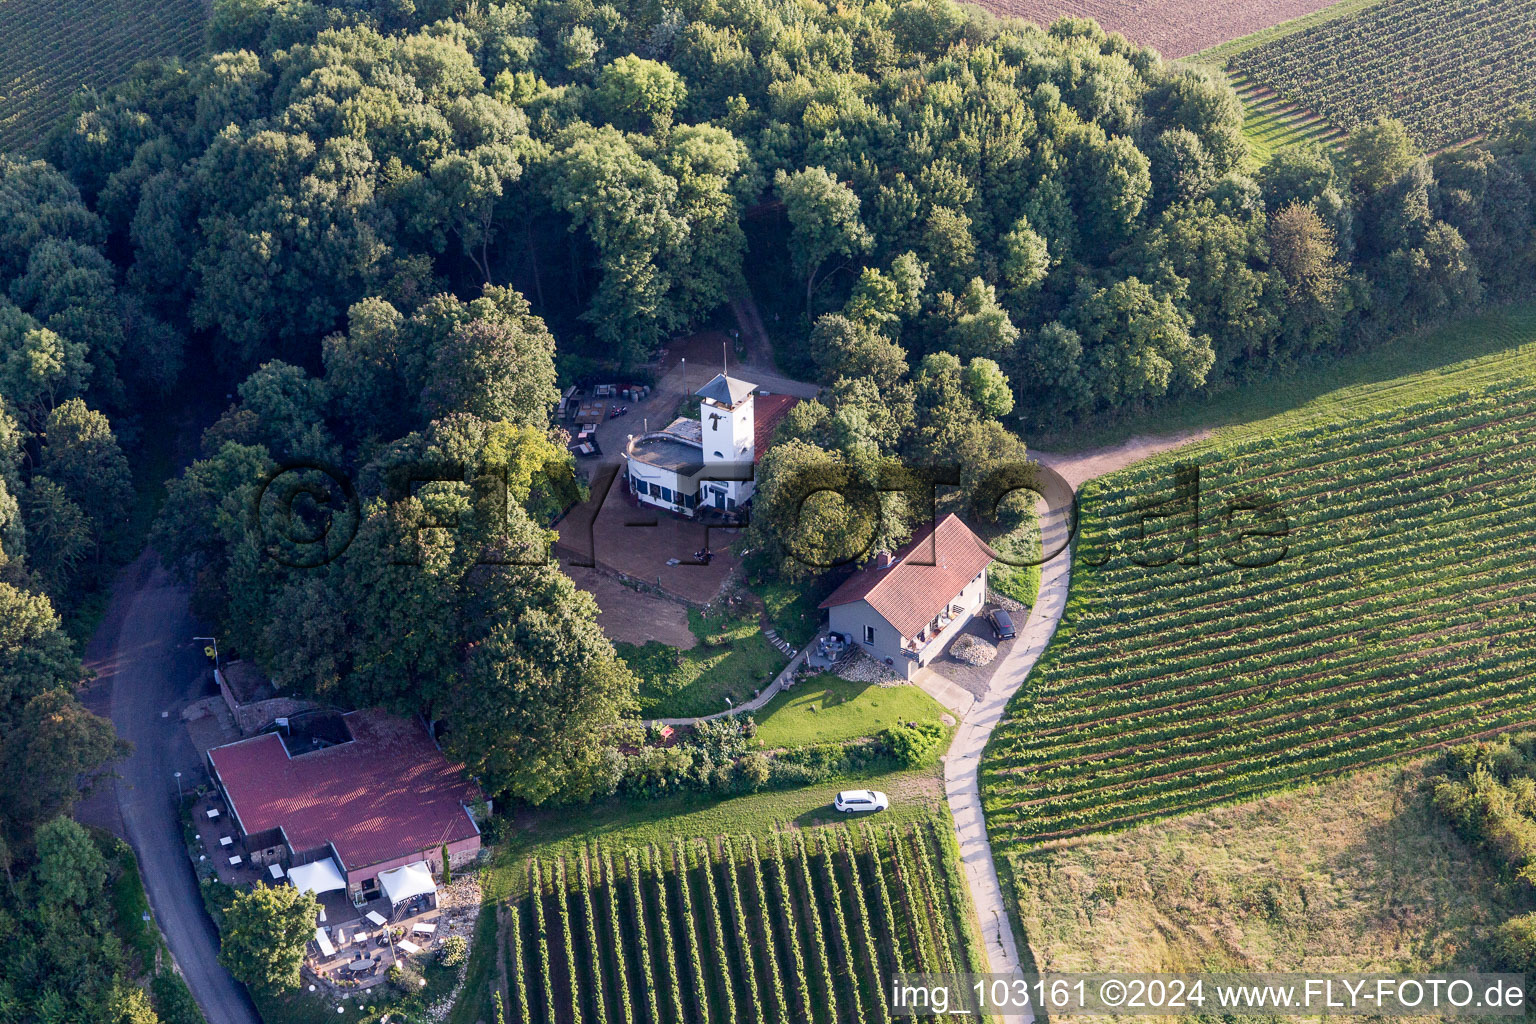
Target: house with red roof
{"points": [[706, 462], [904, 608], [340, 799]]}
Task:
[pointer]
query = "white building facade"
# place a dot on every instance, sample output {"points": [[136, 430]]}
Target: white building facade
{"points": [[702, 463]]}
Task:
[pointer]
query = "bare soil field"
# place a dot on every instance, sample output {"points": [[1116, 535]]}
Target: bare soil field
{"points": [[1175, 28]]}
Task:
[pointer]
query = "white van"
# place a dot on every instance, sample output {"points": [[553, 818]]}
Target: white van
{"points": [[851, 800]]}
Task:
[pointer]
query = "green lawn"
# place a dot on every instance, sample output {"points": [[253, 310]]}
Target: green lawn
{"points": [[1467, 353], [914, 795], [1269, 122], [827, 709], [1020, 582], [791, 607], [129, 903], [732, 660]]}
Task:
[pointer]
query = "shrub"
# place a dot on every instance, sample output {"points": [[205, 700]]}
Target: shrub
{"points": [[453, 952], [1515, 944], [405, 980], [754, 771], [173, 1002], [917, 745]]}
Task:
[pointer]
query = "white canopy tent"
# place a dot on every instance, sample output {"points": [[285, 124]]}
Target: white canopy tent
{"points": [[321, 876], [401, 884]]}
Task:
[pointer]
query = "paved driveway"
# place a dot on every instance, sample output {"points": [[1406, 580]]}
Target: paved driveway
{"points": [[143, 652]]}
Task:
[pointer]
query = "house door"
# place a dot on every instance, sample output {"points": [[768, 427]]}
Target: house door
{"points": [[719, 499]]}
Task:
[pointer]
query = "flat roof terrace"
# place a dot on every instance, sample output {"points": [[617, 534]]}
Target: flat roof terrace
{"points": [[665, 452]]}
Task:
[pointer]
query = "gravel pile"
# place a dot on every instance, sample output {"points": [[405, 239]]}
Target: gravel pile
{"points": [[861, 668], [973, 650]]}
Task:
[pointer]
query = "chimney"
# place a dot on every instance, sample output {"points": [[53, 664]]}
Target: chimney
{"points": [[882, 560]]}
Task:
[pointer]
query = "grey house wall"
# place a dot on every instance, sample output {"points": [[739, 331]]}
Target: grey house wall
{"points": [[852, 618]]}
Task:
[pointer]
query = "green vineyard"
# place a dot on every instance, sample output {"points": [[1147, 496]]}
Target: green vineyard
{"points": [[796, 927], [1278, 610], [49, 49], [1448, 69]]}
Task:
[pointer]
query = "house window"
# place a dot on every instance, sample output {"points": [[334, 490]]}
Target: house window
{"points": [[869, 635], [666, 494], [655, 490], [730, 503]]}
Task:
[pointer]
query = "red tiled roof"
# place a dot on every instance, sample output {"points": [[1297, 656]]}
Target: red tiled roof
{"points": [[922, 577], [388, 793], [768, 412]]}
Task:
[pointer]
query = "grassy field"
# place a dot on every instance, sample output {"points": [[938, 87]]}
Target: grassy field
{"points": [[1199, 663], [1449, 69], [828, 709], [1358, 874], [48, 50], [1467, 353], [914, 795], [1020, 582], [1270, 123], [732, 660], [790, 926]]}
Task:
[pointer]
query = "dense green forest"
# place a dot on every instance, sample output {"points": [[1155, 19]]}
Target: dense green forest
{"points": [[391, 229]]}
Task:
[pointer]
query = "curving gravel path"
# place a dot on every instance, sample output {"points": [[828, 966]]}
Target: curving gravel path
{"points": [[962, 763]]}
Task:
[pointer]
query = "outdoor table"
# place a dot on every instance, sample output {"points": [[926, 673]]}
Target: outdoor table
{"points": [[376, 918], [276, 870], [213, 812], [591, 412], [408, 946], [359, 966], [236, 861], [424, 929], [226, 841]]}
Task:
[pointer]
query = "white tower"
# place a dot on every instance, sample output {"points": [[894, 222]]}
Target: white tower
{"points": [[726, 420], [725, 426]]}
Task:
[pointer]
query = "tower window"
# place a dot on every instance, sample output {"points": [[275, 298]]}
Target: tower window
{"points": [[719, 456]]}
